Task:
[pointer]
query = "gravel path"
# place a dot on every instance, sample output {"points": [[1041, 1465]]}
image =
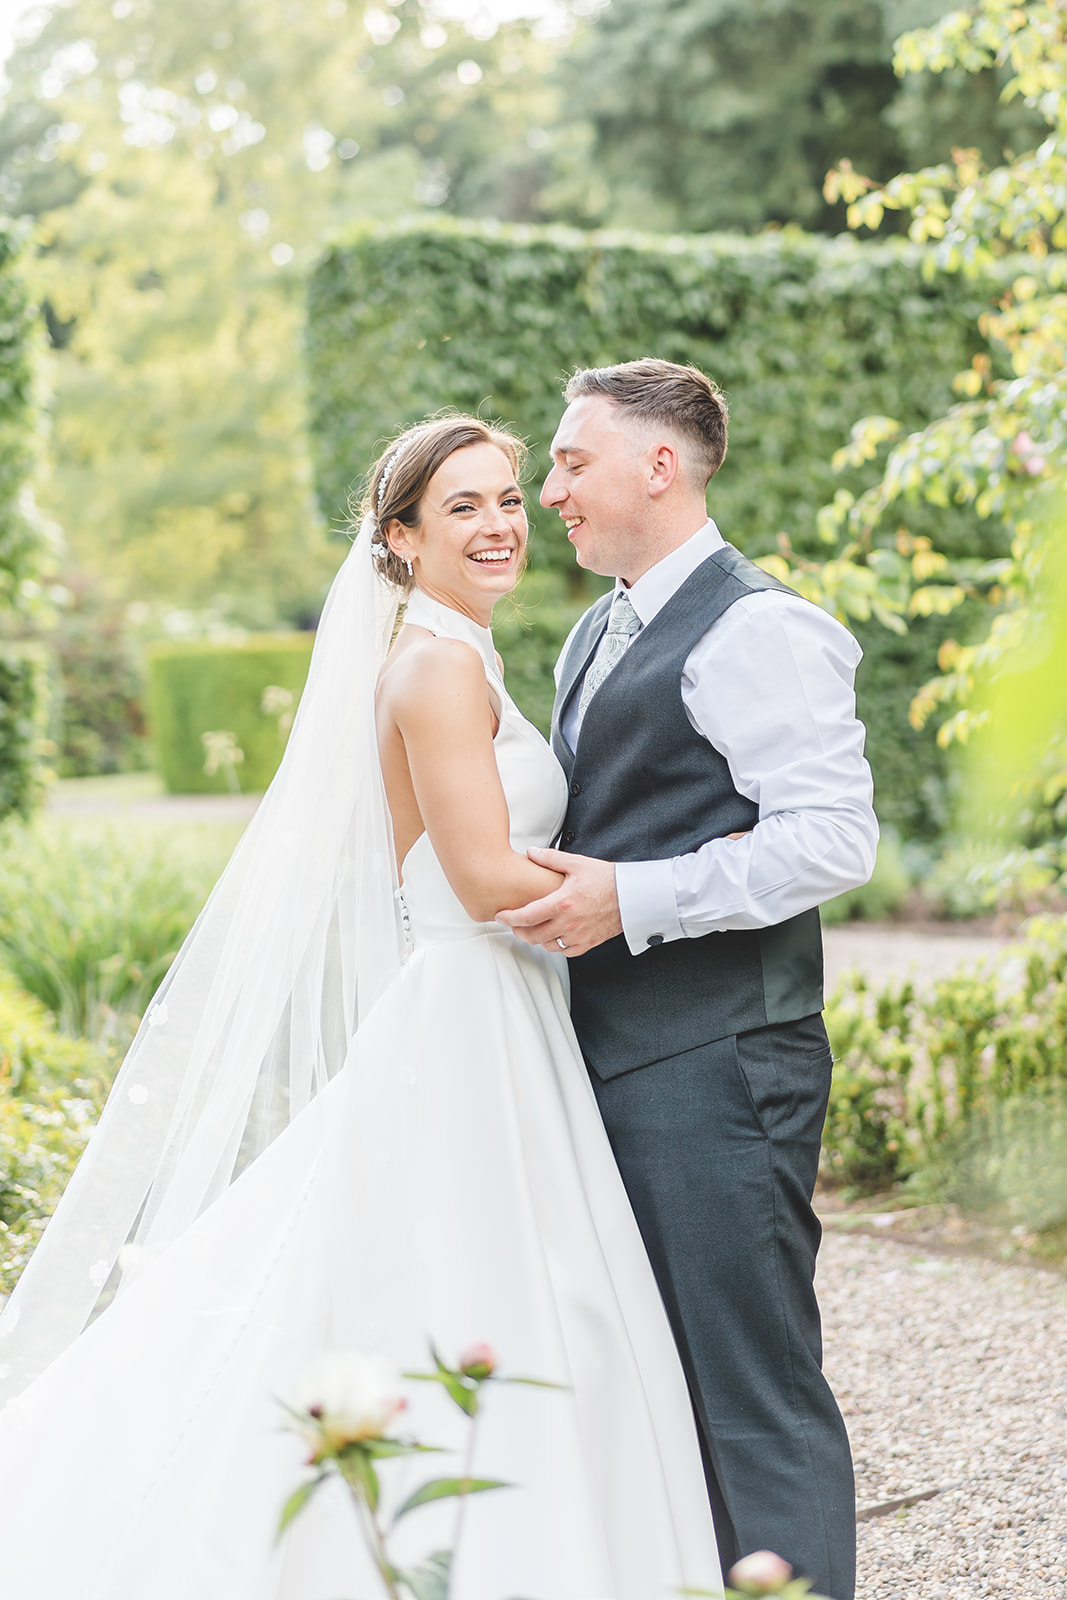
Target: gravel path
{"points": [[888, 950], [951, 1371]]}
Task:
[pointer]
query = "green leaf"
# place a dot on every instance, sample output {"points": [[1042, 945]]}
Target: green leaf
{"points": [[431, 1580], [448, 1489], [459, 1388], [537, 1383], [297, 1501], [380, 1449], [361, 1476]]}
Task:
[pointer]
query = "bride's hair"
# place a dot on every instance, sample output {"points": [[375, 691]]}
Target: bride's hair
{"points": [[400, 477]]}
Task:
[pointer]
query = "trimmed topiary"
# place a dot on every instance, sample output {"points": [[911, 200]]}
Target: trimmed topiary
{"points": [[203, 688]]}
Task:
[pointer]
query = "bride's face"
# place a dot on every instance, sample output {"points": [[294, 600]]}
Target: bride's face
{"points": [[468, 546]]}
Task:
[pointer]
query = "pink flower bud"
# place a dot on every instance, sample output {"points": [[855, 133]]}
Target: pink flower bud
{"points": [[1035, 465], [478, 1361], [1022, 444], [761, 1573]]}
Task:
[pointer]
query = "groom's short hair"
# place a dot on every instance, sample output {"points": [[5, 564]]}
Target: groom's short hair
{"points": [[682, 398]]}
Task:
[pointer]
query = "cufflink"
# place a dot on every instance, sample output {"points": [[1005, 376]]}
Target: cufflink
{"points": [[654, 938]]}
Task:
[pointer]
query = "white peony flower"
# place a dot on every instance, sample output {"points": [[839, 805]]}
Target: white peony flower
{"points": [[346, 1396]]}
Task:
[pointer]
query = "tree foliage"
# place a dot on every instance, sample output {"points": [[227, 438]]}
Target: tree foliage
{"points": [[712, 114], [182, 162], [1003, 447]]}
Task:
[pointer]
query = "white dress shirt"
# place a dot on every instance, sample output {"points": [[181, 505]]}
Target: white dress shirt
{"points": [[770, 686]]}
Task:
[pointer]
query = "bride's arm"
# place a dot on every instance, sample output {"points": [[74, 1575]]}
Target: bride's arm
{"points": [[442, 711]]}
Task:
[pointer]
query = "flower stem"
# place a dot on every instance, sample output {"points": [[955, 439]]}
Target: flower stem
{"points": [[461, 1504], [375, 1541]]}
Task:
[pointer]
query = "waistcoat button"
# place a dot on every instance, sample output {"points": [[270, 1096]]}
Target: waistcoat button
{"points": [[568, 837], [576, 788]]}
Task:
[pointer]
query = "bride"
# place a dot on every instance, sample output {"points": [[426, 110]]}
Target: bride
{"points": [[356, 1116]]}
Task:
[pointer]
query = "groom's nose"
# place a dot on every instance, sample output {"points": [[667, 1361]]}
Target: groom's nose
{"points": [[553, 491]]}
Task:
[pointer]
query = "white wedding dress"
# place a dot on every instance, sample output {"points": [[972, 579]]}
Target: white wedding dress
{"points": [[452, 1182]]}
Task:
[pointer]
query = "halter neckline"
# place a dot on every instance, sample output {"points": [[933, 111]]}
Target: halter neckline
{"points": [[424, 612]]}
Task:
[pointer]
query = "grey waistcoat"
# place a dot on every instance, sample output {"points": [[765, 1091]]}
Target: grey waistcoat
{"points": [[646, 786]]}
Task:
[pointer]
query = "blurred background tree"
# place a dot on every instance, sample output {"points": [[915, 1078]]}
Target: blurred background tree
{"points": [[181, 163], [710, 114]]}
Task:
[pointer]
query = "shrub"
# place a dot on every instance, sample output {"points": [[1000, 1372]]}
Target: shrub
{"points": [[100, 722], [23, 721], [22, 693], [90, 925], [202, 687], [925, 1076], [975, 879], [51, 1091]]}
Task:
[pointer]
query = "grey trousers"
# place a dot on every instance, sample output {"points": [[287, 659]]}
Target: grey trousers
{"points": [[719, 1149]]}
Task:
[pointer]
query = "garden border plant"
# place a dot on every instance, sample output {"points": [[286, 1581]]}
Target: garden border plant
{"points": [[958, 1090]]}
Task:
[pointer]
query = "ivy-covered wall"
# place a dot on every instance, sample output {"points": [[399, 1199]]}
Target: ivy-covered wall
{"points": [[806, 335], [23, 680]]}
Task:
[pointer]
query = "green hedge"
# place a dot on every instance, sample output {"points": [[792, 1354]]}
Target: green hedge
{"points": [[20, 535], [805, 334], [202, 687], [23, 723], [23, 696]]}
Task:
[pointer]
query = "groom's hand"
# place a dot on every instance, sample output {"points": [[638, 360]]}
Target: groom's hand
{"points": [[581, 913]]}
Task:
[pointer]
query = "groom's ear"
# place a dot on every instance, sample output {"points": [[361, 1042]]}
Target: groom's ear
{"points": [[664, 462]]}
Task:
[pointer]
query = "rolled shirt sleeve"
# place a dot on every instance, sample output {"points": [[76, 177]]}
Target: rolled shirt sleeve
{"points": [[771, 687]]}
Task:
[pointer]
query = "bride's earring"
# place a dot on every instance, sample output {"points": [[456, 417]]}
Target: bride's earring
{"points": [[410, 566]]}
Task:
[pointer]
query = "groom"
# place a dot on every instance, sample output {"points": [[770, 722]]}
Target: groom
{"points": [[705, 719]]}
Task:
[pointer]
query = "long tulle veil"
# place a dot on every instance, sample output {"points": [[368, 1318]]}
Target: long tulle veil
{"points": [[298, 939]]}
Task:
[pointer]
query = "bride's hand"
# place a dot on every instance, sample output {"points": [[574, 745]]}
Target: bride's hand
{"points": [[580, 914]]}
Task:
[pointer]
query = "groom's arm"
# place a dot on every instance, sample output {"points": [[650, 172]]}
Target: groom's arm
{"points": [[771, 687]]}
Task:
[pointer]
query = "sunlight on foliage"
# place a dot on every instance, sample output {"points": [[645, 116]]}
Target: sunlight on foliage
{"points": [[1003, 448]]}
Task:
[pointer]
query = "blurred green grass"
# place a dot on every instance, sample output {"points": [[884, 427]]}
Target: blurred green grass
{"points": [[99, 891]]}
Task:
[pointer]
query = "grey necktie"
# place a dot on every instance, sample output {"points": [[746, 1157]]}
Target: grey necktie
{"points": [[623, 623]]}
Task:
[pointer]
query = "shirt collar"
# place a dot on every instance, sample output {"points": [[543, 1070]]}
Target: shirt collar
{"points": [[660, 583]]}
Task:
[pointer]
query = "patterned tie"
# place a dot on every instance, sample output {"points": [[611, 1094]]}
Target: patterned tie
{"points": [[623, 623]]}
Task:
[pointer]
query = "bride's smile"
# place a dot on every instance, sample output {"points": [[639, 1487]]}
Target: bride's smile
{"points": [[468, 545]]}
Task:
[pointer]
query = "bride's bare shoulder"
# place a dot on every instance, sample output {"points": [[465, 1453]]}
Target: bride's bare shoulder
{"points": [[431, 676]]}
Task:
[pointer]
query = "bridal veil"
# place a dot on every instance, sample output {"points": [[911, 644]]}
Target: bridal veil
{"points": [[299, 937]]}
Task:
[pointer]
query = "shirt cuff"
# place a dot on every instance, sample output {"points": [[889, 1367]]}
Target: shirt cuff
{"points": [[647, 905]]}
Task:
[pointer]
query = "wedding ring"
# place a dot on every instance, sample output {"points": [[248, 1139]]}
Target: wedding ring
{"points": [[561, 944]]}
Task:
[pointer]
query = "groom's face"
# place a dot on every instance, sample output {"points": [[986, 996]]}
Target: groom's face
{"points": [[599, 485]]}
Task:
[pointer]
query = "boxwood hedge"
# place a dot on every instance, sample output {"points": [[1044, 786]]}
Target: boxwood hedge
{"points": [[199, 687]]}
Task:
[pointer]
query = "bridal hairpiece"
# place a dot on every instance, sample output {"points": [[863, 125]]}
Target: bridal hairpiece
{"points": [[387, 474]]}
